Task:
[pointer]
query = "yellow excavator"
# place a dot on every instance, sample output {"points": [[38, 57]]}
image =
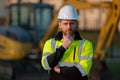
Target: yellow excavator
{"points": [[25, 31], [27, 24]]}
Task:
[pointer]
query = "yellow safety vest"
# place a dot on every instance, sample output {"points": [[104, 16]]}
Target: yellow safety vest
{"points": [[79, 54]]}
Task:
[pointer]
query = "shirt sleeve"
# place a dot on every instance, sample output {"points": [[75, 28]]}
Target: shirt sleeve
{"points": [[70, 72], [54, 58], [50, 58]]}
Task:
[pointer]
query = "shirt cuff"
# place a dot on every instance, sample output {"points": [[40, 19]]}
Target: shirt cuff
{"points": [[62, 49]]}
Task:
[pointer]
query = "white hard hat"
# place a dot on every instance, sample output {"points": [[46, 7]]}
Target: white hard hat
{"points": [[68, 12]]}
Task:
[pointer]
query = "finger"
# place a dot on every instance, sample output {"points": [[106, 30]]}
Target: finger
{"points": [[69, 37]]}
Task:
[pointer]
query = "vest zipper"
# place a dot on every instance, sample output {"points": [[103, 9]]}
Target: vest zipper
{"points": [[74, 53]]}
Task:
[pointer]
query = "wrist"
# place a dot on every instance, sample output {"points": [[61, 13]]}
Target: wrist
{"points": [[57, 70], [64, 46]]}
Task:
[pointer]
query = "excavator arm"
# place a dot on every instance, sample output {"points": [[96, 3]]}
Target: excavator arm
{"points": [[108, 30]]}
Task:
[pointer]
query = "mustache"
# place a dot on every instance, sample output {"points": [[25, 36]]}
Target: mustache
{"points": [[70, 34]]}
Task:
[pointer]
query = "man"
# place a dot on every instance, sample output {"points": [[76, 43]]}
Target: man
{"points": [[67, 56]]}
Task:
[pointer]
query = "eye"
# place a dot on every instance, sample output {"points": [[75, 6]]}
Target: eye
{"points": [[65, 24], [72, 23]]}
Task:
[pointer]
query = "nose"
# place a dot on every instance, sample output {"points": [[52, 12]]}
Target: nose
{"points": [[69, 26]]}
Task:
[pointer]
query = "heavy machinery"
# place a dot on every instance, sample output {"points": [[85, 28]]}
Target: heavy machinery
{"points": [[99, 70], [31, 17], [26, 25], [19, 40]]}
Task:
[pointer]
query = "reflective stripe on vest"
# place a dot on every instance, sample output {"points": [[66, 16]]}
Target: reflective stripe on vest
{"points": [[46, 64], [69, 64], [80, 48], [53, 44], [46, 54]]}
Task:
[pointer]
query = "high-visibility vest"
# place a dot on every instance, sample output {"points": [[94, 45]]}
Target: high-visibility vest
{"points": [[79, 54]]}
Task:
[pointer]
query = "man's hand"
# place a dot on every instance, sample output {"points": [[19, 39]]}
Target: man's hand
{"points": [[67, 40], [57, 69]]}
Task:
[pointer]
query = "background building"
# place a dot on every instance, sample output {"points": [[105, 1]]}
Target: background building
{"points": [[90, 19]]}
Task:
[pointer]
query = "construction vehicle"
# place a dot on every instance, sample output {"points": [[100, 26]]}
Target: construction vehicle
{"points": [[107, 33], [27, 23], [29, 18]]}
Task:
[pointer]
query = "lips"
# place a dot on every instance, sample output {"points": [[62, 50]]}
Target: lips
{"points": [[69, 32]]}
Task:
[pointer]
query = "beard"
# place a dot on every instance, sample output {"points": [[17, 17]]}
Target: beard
{"points": [[70, 33]]}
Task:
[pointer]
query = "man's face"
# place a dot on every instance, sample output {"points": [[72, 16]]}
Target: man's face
{"points": [[68, 27]]}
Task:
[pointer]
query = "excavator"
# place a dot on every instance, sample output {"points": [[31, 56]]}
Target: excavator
{"points": [[19, 39], [25, 28], [16, 47]]}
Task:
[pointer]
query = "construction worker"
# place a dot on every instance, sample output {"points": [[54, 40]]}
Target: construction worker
{"points": [[67, 56]]}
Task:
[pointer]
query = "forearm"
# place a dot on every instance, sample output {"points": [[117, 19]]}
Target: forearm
{"points": [[54, 58]]}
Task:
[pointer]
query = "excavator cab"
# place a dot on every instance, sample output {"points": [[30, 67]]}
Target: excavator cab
{"points": [[33, 17]]}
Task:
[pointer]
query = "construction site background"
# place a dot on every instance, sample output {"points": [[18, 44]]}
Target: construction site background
{"points": [[90, 22], [90, 19]]}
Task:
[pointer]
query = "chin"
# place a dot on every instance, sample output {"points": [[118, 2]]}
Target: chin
{"points": [[69, 33]]}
